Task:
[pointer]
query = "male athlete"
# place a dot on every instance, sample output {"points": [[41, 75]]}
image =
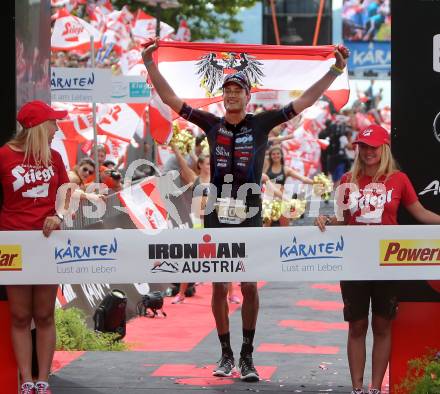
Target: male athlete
{"points": [[237, 144]]}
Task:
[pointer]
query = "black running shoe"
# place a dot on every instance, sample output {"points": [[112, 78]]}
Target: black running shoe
{"points": [[248, 373], [225, 366]]}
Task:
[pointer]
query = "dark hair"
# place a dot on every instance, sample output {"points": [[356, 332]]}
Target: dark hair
{"points": [[276, 147], [109, 163], [200, 139]]}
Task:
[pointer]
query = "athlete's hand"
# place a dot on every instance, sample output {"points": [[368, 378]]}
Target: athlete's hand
{"points": [[149, 47], [341, 54], [50, 223]]}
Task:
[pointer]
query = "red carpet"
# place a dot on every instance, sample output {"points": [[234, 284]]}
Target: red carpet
{"points": [[192, 375], [329, 287], [313, 326], [61, 359], [182, 330], [193, 371], [297, 348], [321, 305]]}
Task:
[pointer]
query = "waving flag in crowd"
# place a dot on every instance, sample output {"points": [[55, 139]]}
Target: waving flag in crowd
{"points": [[145, 205], [145, 27], [117, 29], [161, 119], [69, 4], [303, 151], [121, 120], [73, 33], [131, 63], [97, 18], [183, 32]]}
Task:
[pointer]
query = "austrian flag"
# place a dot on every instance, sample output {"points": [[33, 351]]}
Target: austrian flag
{"points": [[195, 71]]}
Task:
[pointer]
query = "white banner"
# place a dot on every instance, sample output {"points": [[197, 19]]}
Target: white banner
{"points": [[97, 85], [80, 85], [221, 255]]}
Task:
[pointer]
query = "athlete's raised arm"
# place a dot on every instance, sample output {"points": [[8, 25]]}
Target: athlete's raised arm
{"points": [[315, 91], [162, 87]]}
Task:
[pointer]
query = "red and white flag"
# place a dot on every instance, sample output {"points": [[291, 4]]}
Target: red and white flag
{"points": [[303, 151], [73, 33], [145, 27], [78, 126], [161, 119], [163, 154], [105, 5], [196, 71], [117, 29], [68, 150], [70, 4], [144, 205], [183, 32], [116, 148], [131, 63], [97, 18], [121, 120]]}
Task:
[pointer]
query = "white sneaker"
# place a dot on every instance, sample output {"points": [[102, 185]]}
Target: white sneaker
{"points": [[27, 388]]}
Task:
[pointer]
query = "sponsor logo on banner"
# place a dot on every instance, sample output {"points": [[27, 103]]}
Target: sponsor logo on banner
{"points": [[297, 253], [89, 258], [10, 258], [369, 56], [433, 187], [205, 257], [411, 252]]}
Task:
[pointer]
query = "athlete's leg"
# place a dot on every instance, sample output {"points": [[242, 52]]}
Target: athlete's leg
{"points": [[220, 310], [249, 313]]}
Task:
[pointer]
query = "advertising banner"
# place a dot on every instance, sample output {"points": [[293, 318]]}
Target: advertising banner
{"points": [[221, 255], [88, 85], [366, 30], [80, 85], [369, 57]]}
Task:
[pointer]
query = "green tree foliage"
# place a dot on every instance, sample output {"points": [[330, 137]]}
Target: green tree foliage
{"points": [[207, 19]]}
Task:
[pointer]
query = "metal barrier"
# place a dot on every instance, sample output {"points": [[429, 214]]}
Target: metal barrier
{"points": [[113, 217]]}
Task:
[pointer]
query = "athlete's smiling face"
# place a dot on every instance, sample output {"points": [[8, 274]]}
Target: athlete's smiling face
{"points": [[235, 97]]}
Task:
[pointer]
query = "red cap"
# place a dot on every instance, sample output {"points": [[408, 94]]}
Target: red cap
{"points": [[36, 112], [373, 135]]}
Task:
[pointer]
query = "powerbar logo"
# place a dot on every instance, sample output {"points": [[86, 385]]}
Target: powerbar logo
{"points": [[198, 257], [10, 258], [410, 252]]}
